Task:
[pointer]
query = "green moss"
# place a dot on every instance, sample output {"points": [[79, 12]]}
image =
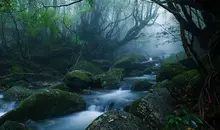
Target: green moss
{"points": [[78, 80], [165, 83], [186, 78], [51, 103], [60, 86], [45, 104], [18, 93], [128, 61], [82, 75], [109, 81], [16, 69], [167, 71], [141, 86], [87, 66]]}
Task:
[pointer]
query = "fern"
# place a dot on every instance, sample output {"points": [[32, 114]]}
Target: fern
{"points": [[184, 120]]}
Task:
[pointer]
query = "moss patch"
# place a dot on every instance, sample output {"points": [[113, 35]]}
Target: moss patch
{"points": [[167, 71], [89, 67], [46, 104], [78, 80], [18, 93]]}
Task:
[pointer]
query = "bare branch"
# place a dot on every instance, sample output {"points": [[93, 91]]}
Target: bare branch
{"points": [[63, 5]]}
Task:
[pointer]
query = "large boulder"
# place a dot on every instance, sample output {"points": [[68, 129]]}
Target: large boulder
{"points": [[109, 80], [143, 85], [78, 80], [128, 62], [154, 107], [60, 86], [167, 71], [117, 120], [89, 67], [11, 125], [104, 64], [46, 104], [18, 93], [182, 84]]}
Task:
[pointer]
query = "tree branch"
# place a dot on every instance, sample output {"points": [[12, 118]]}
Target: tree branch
{"points": [[63, 5]]}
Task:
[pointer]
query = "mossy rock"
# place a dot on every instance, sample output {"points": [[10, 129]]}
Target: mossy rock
{"points": [[143, 85], [18, 93], [12, 125], [45, 104], [117, 120], [78, 80], [89, 67], [153, 107], [108, 80], [188, 78], [112, 78], [60, 86], [167, 71], [129, 61]]}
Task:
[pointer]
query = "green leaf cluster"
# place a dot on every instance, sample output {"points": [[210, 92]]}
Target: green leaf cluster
{"points": [[184, 119]]}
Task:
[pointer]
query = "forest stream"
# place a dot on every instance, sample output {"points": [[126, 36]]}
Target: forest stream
{"points": [[97, 102]]}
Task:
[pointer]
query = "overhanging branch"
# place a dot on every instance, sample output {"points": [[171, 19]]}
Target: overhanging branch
{"points": [[63, 5]]}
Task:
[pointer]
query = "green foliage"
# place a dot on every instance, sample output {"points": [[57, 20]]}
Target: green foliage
{"points": [[184, 119], [16, 69], [7, 6], [167, 71], [118, 73], [186, 78], [111, 79], [39, 20]]}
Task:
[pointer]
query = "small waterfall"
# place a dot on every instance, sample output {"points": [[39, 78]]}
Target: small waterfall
{"points": [[5, 106]]}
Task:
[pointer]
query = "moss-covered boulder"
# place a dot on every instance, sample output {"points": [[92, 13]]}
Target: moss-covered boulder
{"points": [[184, 79], [104, 64], [111, 79], [108, 80], [12, 125], [181, 84], [18, 93], [117, 120], [78, 80], [167, 71], [45, 104], [143, 85], [89, 67], [60, 86], [154, 107], [129, 61]]}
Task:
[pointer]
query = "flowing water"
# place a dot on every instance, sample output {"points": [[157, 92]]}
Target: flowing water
{"points": [[97, 102]]}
